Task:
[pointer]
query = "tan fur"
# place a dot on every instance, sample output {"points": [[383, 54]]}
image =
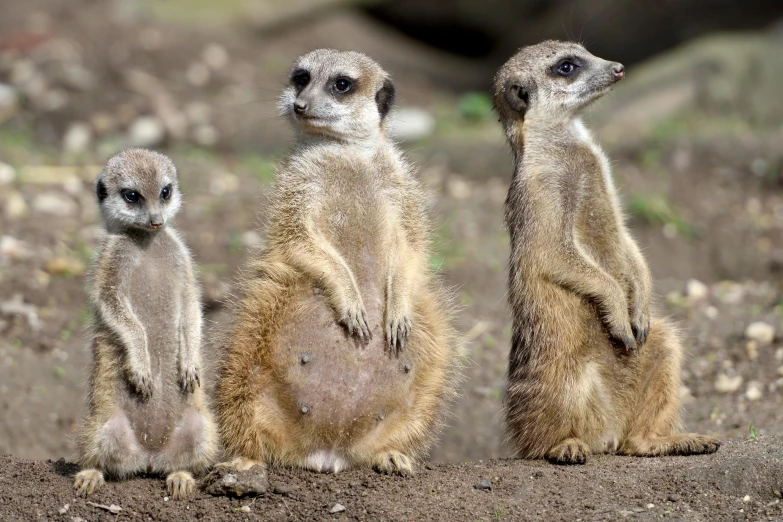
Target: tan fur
{"points": [[579, 287], [342, 354], [147, 410]]}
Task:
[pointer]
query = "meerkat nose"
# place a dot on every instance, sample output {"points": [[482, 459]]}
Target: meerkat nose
{"points": [[300, 107], [619, 71]]}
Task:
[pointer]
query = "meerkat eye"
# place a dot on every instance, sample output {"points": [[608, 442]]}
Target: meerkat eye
{"points": [[342, 85], [166, 192], [566, 67], [131, 196], [300, 78]]}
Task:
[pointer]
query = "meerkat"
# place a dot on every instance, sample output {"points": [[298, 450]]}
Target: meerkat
{"points": [[147, 410], [342, 354], [590, 369]]}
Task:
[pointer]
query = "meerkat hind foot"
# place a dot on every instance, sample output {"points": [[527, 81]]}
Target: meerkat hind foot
{"points": [[393, 462], [180, 485], [569, 451], [88, 482], [239, 464], [681, 444]]}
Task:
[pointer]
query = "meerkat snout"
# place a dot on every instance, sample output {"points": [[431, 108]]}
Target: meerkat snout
{"points": [[619, 71]]}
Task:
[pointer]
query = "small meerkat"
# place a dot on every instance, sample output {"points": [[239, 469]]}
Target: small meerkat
{"points": [[579, 288], [342, 354], [147, 410]]}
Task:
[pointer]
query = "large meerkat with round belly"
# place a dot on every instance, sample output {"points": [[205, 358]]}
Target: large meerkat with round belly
{"points": [[589, 370], [342, 354], [147, 410]]}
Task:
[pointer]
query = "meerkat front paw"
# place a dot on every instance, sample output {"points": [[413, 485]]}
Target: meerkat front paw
{"points": [[398, 329], [141, 380], [623, 333], [180, 485], [88, 482], [189, 379], [355, 319]]}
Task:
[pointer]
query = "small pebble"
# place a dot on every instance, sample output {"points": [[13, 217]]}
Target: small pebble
{"points": [[777, 493], [754, 391], [673, 497], [696, 290], [337, 508], [245, 509], [282, 489], [7, 173], [746, 498], [726, 384], [484, 484], [761, 332], [165, 499]]}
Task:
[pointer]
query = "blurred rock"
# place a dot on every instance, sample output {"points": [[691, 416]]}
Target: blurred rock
{"points": [[711, 313], [77, 138], [761, 332], [15, 205], [754, 391], [752, 348], [54, 203], [7, 174], [215, 56], [252, 239], [17, 306], [146, 131], [9, 101], [695, 290], [12, 249], [726, 384], [410, 123]]}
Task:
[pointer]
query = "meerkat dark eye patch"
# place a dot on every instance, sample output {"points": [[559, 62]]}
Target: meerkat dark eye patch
{"points": [[166, 192], [100, 190], [567, 67], [300, 78], [384, 98], [343, 85], [131, 196]]}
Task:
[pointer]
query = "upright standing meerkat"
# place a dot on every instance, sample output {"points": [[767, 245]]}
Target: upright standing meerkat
{"points": [[580, 289], [342, 353], [147, 410]]}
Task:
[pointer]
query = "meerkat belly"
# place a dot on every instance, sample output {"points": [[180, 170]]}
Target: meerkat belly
{"points": [[156, 302], [337, 382]]}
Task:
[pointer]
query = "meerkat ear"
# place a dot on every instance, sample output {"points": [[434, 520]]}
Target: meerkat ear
{"points": [[100, 189], [518, 96], [384, 98]]}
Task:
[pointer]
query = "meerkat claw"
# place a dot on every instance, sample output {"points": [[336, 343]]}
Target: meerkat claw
{"points": [[88, 482], [143, 384], [190, 379]]}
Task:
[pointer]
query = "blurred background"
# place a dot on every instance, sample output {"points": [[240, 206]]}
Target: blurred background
{"points": [[695, 134]]}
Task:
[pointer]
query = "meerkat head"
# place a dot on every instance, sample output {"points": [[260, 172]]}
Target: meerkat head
{"points": [[138, 190], [553, 80], [342, 95]]}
